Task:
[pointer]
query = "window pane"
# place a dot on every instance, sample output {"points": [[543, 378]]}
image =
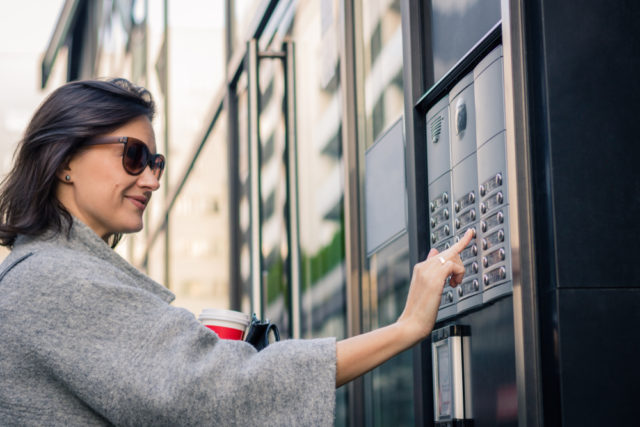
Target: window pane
{"points": [[320, 169], [457, 25], [382, 65], [392, 382], [199, 230], [196, 71], [244, 13]]}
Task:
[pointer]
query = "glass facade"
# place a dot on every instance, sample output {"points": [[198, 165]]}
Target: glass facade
{"points": [[391, 383], [319, 121], [243, 18], [196, 57], [389, 388], [456, 25], [381, 39], [198, 255]]}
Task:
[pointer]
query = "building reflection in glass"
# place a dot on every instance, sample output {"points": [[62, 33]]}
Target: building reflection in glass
{"points": [[198, 258], [392, 383], [390, 387], [382, 65], [456, 25]]}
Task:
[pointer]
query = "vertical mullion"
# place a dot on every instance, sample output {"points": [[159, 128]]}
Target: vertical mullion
{"points": [[351, 197], [254, 177], [292, 189]]}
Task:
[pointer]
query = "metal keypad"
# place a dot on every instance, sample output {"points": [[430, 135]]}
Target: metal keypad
{"points": [[494, 225], [466, 216]]}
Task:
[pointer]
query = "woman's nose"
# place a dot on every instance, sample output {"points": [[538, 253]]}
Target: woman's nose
{"points": [[149, 179]]}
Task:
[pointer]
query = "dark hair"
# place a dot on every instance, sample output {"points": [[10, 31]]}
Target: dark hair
{"points": [[64, 121]]}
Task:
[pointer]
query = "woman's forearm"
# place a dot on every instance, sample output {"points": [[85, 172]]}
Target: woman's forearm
{"points": [[358, 355]]}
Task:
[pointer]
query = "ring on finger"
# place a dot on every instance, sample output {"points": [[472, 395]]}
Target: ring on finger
{"points": [[442, 260]]}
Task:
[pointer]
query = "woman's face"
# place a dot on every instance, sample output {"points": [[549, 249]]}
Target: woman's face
{"points": [[100, 192]]}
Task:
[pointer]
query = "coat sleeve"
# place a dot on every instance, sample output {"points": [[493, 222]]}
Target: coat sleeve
{"points": [[136, 360]]}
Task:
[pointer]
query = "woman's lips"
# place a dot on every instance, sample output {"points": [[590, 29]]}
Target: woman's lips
{"points": [[139, 201]]}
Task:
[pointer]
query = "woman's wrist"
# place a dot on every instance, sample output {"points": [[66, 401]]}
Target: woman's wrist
{"points": [[410, 330]]}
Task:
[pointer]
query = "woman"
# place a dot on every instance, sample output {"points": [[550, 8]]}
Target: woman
{"points": [[89, 340]]}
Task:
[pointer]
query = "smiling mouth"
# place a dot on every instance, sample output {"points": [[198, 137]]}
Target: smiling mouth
{"points": [[139, 202]]}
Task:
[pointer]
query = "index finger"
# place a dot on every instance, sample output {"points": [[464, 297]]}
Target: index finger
{"points": [[458, 247]]}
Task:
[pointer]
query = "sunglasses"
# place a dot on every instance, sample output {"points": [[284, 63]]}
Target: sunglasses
{"points": [[136, 155]]}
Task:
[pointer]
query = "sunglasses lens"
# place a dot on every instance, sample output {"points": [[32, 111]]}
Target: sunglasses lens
{"points": [[135, 157], [158, 165]]}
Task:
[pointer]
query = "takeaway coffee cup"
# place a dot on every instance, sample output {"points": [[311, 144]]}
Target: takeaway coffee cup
{"points": [[228, 324]]}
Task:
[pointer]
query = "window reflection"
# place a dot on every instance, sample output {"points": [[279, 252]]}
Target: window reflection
{"points": [[392, 382], [199, 230], [196, 72], [456, 26], [244, 14], [315, 30], [382, 65]]}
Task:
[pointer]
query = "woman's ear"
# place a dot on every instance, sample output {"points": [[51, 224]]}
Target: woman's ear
{"points": [[64, 172]]}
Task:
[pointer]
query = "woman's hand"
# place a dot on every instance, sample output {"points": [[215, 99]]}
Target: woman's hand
{"points": [[357, 355], [427, 282]]}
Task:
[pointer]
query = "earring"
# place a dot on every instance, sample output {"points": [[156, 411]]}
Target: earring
{"points": [[68, 178]]}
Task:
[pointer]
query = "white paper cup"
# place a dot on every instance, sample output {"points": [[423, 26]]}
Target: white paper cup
{"points": [[228, 324]]}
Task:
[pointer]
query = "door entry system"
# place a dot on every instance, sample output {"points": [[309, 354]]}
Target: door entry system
{"points": [[451, 376], [467, 184]]}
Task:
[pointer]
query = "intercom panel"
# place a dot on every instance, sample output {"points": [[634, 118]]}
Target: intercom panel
{"points": [[467, 184]]}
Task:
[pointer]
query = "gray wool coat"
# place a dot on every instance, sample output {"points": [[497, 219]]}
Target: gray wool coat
{"points": [[87, 339]]}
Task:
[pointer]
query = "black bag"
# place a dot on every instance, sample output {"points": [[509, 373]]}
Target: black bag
{"points": [[261, 334]]}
